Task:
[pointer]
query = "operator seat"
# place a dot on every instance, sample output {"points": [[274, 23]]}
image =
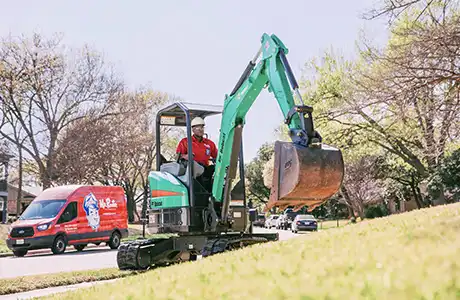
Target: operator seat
{"points": [[173, 168], [181, 172]]}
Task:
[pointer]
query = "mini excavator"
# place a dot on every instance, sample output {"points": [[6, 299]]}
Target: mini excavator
{"points": [[199, 208]]}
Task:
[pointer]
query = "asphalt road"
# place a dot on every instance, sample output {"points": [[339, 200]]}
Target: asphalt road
{"points": [[90, 258]]}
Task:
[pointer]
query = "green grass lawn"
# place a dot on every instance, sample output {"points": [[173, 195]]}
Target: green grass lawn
{"points": [[332, 224], [408, 256], [28, 283]]}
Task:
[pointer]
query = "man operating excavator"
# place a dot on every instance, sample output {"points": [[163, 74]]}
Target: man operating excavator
{"points": [[203, 150]]}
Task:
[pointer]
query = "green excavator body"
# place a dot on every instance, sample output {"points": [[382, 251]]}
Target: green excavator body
{"points": [[186, 201]]}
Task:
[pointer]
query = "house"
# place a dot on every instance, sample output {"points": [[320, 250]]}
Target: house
{"points": [[28, 194]]}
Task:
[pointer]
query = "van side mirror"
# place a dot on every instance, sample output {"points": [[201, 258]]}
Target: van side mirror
{"points": [[252, 214]]}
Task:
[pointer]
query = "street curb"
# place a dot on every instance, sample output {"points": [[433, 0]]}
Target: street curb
{"points": [[44, 251]]}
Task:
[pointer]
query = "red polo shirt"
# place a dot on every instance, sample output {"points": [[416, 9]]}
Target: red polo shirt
{"points": [[202, 150]]}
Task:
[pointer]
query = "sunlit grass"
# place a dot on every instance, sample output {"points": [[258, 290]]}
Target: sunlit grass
{"points": [[28, 283], [408, 256]]}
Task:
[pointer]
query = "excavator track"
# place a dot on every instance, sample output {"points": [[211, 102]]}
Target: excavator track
{"points": [[129, 255], [219, 245], [144, 254]]}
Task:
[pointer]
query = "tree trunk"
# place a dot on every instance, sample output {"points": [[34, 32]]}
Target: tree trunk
{"points": [[46, 182], [145, 200], [131, 202], [350, 211], [19, 198], [420, 197], [360, 209], [416, 196], [131, 205], [348, 202]]}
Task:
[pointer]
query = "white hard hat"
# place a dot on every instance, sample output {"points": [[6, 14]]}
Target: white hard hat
{"points": [[197, 121]]}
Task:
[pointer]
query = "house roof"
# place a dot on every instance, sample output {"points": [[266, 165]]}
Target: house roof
{"points": [[27, 190]]}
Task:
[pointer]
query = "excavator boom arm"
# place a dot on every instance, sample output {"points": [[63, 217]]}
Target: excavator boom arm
{"points": [[274, 72]]}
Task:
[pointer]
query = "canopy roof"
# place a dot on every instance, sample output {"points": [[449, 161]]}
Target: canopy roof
{"points": [[175, 114]]}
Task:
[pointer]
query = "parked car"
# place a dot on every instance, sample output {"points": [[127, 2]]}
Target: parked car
{"points": [[288, 218], [71, 215], [271, 221], [279, 222], [260, 221], [304, 223]]}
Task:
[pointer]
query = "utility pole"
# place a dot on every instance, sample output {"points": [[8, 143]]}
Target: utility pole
{"points": [[4, 160]]}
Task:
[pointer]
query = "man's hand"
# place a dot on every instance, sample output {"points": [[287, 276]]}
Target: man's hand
{"points": [[184, 156]]}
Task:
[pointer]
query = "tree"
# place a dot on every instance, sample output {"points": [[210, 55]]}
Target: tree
{"points": [[393, 9], [118, 150], [258, 192], [46, 89], [449, 175], [361, 188], [401, 181], [403, 100]]}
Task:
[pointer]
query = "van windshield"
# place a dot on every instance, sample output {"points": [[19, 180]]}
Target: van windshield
{"points": [[43, 209]]}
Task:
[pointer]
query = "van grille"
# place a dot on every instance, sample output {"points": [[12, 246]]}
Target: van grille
{"points": [[22, 232]]}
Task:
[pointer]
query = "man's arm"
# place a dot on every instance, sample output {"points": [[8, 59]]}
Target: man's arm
{"points": [[182, 148]]}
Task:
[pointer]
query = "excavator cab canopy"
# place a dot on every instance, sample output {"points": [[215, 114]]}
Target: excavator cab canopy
{"points": [[182, 113]]}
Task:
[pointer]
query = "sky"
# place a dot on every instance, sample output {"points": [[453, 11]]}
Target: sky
{"points": [[197, 50]]}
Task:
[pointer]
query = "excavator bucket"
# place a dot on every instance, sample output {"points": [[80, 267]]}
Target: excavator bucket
{"points": [[304, 176]]}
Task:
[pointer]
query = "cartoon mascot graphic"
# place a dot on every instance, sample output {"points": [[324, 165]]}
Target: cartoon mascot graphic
{"points": [[91, 207]]}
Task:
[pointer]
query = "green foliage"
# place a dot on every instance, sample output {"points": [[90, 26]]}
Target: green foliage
{"points": [[386, 102], [376, 211], [257, 191], [333, 209], [330, 92], [450, 171], [447, 176]]}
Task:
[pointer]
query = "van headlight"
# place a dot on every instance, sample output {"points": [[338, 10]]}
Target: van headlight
{"points": [[9, 229], [43, 227]]}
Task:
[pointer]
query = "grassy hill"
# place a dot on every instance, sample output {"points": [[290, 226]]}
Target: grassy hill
{"points": [[414, 255]]}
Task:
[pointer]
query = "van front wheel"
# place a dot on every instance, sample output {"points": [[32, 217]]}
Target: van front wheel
{"points": [[59, 245], [115, 240]]}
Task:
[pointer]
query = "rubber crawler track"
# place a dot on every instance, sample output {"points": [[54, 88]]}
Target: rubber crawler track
{"points": [[128, 256]]}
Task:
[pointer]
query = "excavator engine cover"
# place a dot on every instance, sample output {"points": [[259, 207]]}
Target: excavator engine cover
{"points": [[305, 176]]}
